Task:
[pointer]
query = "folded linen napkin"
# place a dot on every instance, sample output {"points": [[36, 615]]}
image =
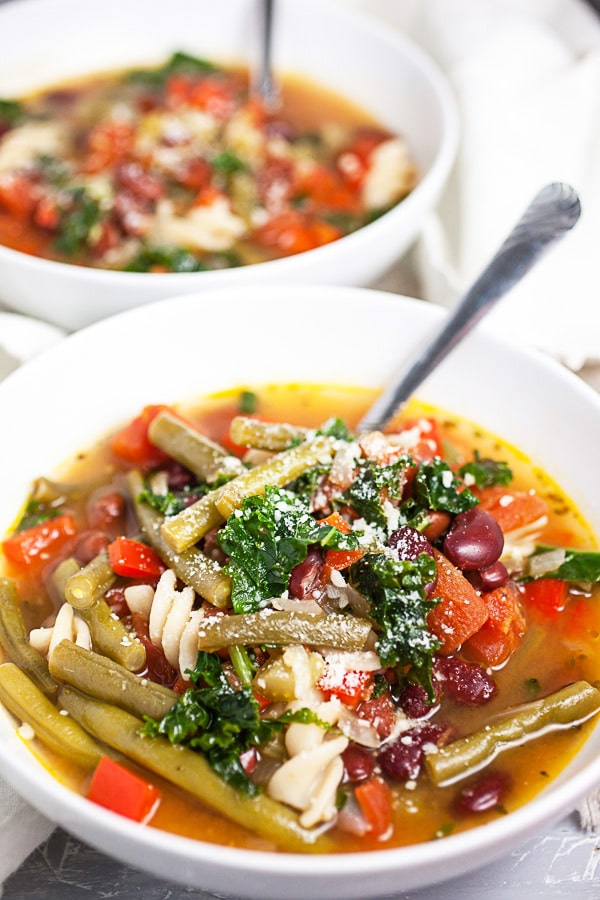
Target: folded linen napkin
{"points": [[527, 80]]}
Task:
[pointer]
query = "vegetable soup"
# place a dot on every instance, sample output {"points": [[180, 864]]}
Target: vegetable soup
{"points": [[242, 622], [182, 168]]}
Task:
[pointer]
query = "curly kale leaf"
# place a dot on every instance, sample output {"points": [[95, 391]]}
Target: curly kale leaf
{"points": [[487, 472], [365, 494], [220, 722], [77, 222], [336, 428], [399, 606], [436, 487], [265, 539]]}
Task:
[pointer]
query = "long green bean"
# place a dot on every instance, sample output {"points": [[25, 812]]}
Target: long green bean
{"points": [[565, 708], [26, 702], [190, 771], [279, 627], [206, 459], [279, 470], [112, 638], [266, 435], [13, 640], [62, 573], [105, 680], [192, 566], [90, 583], [191, 524]]}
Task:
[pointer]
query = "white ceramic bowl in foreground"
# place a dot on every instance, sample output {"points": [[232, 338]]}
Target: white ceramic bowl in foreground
{"points": [[182, 348], [45, 41]]}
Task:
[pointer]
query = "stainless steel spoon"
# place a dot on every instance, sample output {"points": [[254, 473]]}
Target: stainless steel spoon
{"points": [[265, 84], [549, 216]]}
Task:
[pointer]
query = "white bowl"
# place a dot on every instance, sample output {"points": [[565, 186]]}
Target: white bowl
{"points": [[75, 391], [45, 41]]}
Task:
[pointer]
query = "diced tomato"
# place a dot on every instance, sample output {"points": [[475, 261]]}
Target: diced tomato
{"points": [[327, 190], [335, 520], [209, 195], [428, 443], [116, 788], [18, 194], [194, 173], [340, 559], [178, 89], [500, 636], [375, 800], [132, 559], [350, 688], [511, 509], [107, 144], [547, 596], [353, 160], [461, 611], [213, 96], [32, 548], [294, 232], [46, 214], [132, 445]]}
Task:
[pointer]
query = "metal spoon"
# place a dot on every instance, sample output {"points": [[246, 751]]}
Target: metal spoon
{"points": [[265, 84], [551, 213]]}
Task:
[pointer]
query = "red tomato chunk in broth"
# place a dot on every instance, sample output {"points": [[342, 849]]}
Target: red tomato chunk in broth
{"points": [[182, 168], [354, 614]]}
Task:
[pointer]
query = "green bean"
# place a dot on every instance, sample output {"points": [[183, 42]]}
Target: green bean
{"points": [[270, 626], [193, 450], [90, 583], [46, 491], [59, 732], [191, 772], [266, 435], [278, 471], [105, 680], [13, 640], [192, 566], [191, 524], [62, 573], [112, 638], [563, 709]]}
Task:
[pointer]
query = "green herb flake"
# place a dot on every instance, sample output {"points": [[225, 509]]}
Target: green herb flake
{"points": [[227, 163], [486, 472]]}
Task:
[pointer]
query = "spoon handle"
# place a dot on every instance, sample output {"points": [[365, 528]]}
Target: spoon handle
{"points": [[551, 213], [265, 85]]}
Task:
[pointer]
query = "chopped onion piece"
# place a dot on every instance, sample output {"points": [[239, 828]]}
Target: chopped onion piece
{"points": [[545, 562]]}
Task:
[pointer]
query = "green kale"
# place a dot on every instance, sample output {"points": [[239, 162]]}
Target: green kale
{"points": [[248, 402], [399, 606], [227, 163], [436, 487], [173, 502], [220, 722], [335, 428], [36, 513], [305, 485], [178, 64], [53, 170], [365, 493], [265, 539], [174, 259], [578, 566], [486, 472], [11, 112], [76, 222]]}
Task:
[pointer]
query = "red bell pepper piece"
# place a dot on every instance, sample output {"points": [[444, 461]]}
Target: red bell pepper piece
{"points": [[134, 559], [547, 596], [375, 801], [116, 788], [340, 559], [349, 687], [31, 549], [132, 445]]}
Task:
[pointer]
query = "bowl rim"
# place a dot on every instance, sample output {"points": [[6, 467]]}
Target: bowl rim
{"points": [[430, 184], [491, 841]]}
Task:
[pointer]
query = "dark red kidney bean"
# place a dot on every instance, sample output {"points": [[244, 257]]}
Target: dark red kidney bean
{"points": [[409, 544], [464, 682], [178, 477], [415, 702], [489, 579], [402, 759], [379, 712], [115, 597], [358, 763], [90, 544], [306, 575], [158, 668], [483, 795], [106, 510], [475, 540], [131, 176]]}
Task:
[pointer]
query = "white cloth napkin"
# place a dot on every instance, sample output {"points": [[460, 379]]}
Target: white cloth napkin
{"points": [[527, 80]]}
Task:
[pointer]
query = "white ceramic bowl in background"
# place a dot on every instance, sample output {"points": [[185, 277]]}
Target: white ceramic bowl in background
{"points": [[45, 41], [171, 351]]}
